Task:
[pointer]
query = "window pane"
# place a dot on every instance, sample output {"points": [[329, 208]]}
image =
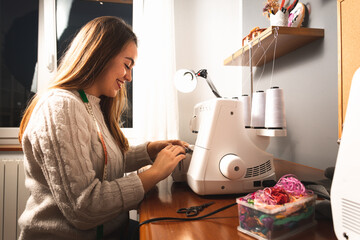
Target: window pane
{"points": [[18, 41], [71, 15]]}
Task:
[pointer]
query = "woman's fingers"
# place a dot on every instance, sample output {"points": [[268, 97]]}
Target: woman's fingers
{"points": [[179, 150], [179, 142], [168, 146], [175, 149]]}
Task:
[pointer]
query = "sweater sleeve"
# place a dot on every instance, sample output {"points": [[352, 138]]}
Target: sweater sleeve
{"points": [[137, 157], [60, 138]]}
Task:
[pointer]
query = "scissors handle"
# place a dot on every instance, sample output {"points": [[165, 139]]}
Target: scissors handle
{"points": [[193, 211], [182, 210], [190, 212]]}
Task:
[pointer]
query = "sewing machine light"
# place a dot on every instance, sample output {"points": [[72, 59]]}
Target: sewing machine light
{"points": [[185, 80]]}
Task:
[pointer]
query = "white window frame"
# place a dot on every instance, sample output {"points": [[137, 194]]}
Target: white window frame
{"points": [[9, 136], [47, 65]]}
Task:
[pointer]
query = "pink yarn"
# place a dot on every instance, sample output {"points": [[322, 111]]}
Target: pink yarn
{"points": [[291, 185], [287, 183]]}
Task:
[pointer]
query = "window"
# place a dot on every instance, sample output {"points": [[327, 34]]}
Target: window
{"points": [[18, 57], [25, 69]]}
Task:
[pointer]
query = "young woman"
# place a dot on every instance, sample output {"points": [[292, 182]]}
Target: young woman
{"points": [[75, 152]]}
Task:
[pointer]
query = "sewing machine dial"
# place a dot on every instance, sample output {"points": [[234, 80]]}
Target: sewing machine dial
{"points": [[232, 166]]}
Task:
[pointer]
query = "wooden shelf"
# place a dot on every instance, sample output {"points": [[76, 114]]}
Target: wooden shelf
{"points": [[288, 40]]}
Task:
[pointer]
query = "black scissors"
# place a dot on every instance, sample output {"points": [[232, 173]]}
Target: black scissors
{"points": [[194, 210]]}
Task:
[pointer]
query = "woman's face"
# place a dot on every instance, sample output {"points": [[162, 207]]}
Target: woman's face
{"points": [[116, 73]]}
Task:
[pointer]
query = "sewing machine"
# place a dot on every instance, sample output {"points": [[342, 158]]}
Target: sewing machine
{"points": [[227, 157]]}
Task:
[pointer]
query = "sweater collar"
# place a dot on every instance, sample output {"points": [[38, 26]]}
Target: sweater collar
{"points": [[93, 99]]}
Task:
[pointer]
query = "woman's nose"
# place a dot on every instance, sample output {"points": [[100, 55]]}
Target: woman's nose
{"points": [[128, 75]]}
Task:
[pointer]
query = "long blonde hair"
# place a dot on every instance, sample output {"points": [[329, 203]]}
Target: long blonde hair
{"points": [[93, 47]]}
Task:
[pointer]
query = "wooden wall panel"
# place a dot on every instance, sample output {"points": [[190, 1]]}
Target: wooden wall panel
{"points": [[348, 50]]}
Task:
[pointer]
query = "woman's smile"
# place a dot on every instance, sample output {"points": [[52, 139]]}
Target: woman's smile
{"points": [[119, 83]]}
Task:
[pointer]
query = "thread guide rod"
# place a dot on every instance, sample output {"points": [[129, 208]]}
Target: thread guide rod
{"points": [[251, 72]]}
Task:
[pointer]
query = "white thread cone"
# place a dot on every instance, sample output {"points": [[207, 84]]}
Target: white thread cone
{"points": [[246, 109], [258, 110], [275, 108]]}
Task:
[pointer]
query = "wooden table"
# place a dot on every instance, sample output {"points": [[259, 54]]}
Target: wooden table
{"points": [[166, 198]]}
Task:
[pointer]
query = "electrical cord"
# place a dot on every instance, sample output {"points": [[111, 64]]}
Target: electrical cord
{"points": [[186, 219]]}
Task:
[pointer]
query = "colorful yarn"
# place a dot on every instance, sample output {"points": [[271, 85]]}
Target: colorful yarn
{"points": [[292, 186], [277, 212], [296, 218], [287, 189], [267, 222]]}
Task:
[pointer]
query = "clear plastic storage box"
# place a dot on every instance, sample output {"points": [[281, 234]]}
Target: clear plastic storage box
{"points": [[276, 221]]}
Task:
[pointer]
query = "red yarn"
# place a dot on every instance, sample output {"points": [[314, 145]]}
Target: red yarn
{"points": [[280, 195]]}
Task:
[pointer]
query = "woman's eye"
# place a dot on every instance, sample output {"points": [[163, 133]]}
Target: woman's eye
{"points": [[127, 67]]}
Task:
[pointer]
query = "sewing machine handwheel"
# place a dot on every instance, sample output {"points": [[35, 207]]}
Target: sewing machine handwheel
{"points": [[232, 166]]}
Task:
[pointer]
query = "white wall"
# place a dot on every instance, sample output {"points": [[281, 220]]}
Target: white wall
{"points": [[207, 32], [309, 79]]}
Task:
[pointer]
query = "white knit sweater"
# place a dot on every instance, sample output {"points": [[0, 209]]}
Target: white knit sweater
{"points": [[63, 163]]}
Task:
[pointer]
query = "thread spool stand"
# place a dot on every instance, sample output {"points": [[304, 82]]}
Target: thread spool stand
{"points": [[263, 132]]}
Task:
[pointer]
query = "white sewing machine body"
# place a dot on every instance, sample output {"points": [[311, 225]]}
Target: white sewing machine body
{"points": [[225, 159]]}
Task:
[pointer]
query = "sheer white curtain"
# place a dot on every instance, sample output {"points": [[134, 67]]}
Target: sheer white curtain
{"points": [[155, 97]]}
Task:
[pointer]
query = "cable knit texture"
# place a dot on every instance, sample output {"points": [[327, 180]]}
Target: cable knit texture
{"points": [[63, 164]]}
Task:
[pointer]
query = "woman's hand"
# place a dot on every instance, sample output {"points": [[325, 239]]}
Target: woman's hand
{"points": [[154, 148], [165, 162]]}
